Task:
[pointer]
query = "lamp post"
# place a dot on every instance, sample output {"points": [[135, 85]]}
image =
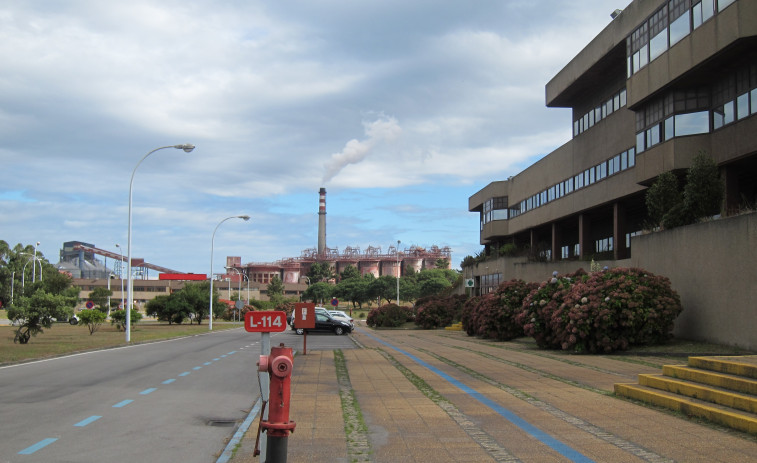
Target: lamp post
{"points": [[130, 286], [13, 280], [239, 290], [399, 272], [121, 273], [34, 268], [212, 241]]}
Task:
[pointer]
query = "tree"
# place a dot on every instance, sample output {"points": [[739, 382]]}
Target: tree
{"points": [[158, 307], [703, 193], [276, 290], [385, 287], [319, 292], [355, 290], [93, 318], [350, 272], [662, 197], [435, 286], [118, 318], [320, 271], [100, 297], [38, 311]]}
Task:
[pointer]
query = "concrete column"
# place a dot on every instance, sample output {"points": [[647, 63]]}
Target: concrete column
{"points": [[620, 250], [556, 241], [584, 237]]}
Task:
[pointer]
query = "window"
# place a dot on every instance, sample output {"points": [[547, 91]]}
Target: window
{"points": [[680, 28], [722, 4], [742, 106]]}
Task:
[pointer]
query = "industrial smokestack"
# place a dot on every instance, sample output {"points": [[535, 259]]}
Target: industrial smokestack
{"points": [[322, 221]]}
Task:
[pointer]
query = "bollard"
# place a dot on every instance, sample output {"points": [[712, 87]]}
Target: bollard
{"points": [[278, 426]]}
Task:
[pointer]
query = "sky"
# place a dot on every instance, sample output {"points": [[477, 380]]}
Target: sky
{"points": [[401, 109]]}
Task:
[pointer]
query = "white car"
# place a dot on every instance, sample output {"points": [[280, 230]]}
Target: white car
{"points": [[340, 315]]}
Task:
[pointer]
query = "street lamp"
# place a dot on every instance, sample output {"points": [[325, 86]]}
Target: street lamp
{"points": [[34, 268], [399, 272], [212, 241], [187, 149], [121, 273]]}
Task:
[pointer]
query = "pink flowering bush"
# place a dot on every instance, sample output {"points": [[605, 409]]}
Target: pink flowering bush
{"points": [[542, 304], [469, 311], [613, 310], [437, 312], [492, 316]]}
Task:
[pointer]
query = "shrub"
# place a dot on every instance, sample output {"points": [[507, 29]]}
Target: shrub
{"points": [[389, 316], [93, 318], [118, 318], [540, 305], [468, 315], [615, 309], [436, 312], [507, 304]]}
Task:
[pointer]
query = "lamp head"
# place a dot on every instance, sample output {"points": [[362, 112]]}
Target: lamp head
{"points": [[245, 217], [187, 147]]}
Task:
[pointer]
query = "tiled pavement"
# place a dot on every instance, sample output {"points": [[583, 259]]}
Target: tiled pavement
{"points": [[484, 401]]}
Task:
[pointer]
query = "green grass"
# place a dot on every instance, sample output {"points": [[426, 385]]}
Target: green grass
{"points": [[63, 338]]}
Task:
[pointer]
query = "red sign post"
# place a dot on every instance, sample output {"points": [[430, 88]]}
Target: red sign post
{"points": [[265, 321]]}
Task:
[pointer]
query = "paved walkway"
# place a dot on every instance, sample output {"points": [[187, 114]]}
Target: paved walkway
{"points": [[441, 396]]}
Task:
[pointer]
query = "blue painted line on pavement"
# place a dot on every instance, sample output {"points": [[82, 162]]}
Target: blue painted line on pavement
{"points": [[185, 373], [223, 356], [169, 381], [197, 368], [216, 359], [83, 423], [149, 390], [207, 363], [123, 403], [41, 444], [527, 427], [232, 352]]}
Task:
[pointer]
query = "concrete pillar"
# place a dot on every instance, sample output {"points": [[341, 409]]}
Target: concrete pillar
{"points": [[620, 250], [584, 237]]}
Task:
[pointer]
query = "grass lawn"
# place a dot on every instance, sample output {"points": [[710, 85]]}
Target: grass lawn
{"points": [[63, 338]]}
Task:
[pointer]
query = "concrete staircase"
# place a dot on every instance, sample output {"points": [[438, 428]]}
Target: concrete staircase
{"points": [[720, 389]]}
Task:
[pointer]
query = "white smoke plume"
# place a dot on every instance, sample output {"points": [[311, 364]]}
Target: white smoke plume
{"points": [[385, 129]]}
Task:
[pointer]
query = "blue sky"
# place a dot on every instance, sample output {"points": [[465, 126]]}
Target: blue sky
{"points": [[401, 110]]}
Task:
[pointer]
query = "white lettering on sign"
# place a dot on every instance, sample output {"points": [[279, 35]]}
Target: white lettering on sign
{"points": [[265, 321], [304, 313]]}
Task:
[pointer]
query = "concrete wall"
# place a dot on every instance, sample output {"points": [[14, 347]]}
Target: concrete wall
{"points": [[712, 266]]}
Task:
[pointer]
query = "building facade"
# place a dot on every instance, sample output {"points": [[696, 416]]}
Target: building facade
{"points": [[663, 81]]}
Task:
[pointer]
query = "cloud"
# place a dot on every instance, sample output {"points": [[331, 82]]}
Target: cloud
{"points": [[382, 130]]}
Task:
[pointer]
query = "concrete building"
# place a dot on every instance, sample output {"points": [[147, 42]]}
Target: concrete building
{"points": [[663, 81]]}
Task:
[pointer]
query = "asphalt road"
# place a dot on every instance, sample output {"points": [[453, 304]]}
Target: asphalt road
{"points": [[170, 401]]}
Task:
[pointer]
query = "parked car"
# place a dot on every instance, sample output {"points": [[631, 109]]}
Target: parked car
{"points": [[324, 322], [290, 317], [340, 315]]}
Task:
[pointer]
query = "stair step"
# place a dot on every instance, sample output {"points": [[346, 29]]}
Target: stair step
{"points": [[691, 407], [722, 380], [745, 365], [702, 392]]}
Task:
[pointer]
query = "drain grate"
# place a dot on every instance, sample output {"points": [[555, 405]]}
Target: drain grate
{"points": [[222, 422]]}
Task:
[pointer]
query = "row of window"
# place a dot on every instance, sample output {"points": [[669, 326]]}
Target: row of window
{"points": [[612, 166], [497, 209], [735, 97], [666, 27], [588, 120]]}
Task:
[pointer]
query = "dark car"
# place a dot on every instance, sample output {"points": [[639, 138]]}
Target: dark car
{"points": [[323, 322]]}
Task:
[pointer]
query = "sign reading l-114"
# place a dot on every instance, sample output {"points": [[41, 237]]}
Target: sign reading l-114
{"points": [[265, 321]]}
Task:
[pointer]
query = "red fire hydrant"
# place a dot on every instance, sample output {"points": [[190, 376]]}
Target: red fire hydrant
{"points": [[278, 426]]}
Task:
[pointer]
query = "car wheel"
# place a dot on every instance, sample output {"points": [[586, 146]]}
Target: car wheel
{"points": [[339, 330], [299, 331], [73, 321]]}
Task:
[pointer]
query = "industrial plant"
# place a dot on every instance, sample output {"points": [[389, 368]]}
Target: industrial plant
{"points": [[81, 260]]}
